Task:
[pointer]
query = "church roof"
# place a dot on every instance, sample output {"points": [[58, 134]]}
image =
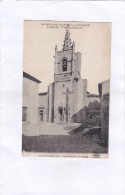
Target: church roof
{"points": [[67, 41], [28, 76]]}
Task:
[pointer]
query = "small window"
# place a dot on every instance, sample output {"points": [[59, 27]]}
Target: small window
{"points": [[64, 65], [24, 117], [41, 112], [41, 115]]}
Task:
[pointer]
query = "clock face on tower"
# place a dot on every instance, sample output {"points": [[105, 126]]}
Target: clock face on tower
{"points": [[64, 64]]}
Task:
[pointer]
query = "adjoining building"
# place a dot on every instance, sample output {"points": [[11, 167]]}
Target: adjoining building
{"points": [[43, 107], [92, 98], [93, 109], [104, 92], [90, 114], [30, 101]]}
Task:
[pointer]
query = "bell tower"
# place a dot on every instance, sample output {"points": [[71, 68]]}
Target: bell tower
{"points": [[67, 63], [68, 85]]}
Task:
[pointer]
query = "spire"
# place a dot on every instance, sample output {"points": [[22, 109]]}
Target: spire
{"points": [[67, 41]]}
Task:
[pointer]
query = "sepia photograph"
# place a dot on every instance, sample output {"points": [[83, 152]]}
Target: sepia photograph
{"points": [[66, 88], [62, 97]]}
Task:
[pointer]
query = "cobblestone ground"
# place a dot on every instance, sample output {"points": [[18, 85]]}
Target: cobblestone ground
{"points": [[72, 141]]}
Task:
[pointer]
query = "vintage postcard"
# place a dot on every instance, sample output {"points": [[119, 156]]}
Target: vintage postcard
{"points": [[66, 89]]}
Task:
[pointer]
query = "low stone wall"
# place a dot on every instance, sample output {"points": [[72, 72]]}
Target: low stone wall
{"points": [[79, 117], [89, 115]]}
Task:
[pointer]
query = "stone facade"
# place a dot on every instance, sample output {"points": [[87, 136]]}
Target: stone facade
{"points": [[42, 107], [90, 113], [92, 98], [104, 91], [30, 101], [93, 113]]}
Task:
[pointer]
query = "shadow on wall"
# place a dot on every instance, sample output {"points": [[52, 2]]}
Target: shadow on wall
{"points": [[94, 113], [90, 115], [95, 117], [105, 118], [80, 117]]}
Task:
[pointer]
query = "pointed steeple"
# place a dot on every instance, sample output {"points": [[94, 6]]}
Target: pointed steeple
{"points": [[67, 41]]}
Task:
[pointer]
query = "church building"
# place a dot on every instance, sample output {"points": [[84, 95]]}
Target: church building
{"points": [[67, 95]]}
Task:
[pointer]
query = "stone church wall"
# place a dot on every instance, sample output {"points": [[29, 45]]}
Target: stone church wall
{"points": [[79, 115], [81, 94], [78, 61], [60, 98], [61, 55]]}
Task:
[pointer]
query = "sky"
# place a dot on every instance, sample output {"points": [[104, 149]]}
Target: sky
{"points": [[92, 40]]}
